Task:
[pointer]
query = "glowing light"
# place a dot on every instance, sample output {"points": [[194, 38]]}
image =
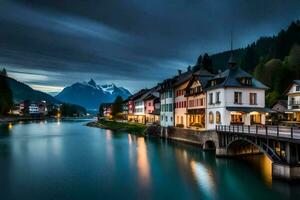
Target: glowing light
{"points": [[204, 177], [10, 125], [142, 161]]}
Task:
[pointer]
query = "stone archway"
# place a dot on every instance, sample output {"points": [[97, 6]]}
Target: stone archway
{"points": [[209, 145]]}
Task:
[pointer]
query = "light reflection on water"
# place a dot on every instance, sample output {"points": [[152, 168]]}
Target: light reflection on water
{"points": [[66, 160]]}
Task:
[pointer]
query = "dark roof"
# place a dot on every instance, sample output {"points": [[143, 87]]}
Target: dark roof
{"points": [[138, 94], [280, 102], [297, 82], [230, 78], [249, 109]]}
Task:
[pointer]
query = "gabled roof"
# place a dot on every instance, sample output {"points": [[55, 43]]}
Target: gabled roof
{"points": [[280, 102], [230, 78], [202, 75], [297, 82], [138, 94]]}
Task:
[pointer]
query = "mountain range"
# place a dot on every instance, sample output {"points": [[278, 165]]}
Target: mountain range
{"points": [[90, 95]]}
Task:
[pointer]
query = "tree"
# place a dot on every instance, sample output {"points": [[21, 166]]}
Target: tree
{"points": [[117, 106], [3, 72], [207, 63], [6, 97], [101, 110]]}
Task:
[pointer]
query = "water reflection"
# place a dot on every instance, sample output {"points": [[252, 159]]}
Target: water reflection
{"points": [[204, 177], [143, 162], [109, 147]]}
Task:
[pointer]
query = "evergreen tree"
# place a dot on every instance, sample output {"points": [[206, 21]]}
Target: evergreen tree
{"points": [[207, 63], [3, 72], [117, 106], [6, 97], [101, 110]]}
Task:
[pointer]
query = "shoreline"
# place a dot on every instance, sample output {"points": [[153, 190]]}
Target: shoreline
{"points": [[137, 129]]}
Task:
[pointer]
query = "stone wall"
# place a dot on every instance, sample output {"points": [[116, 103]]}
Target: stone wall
{"points": [[185, 135]]}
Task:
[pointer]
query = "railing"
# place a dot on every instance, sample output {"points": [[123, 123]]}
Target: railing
{"points": [[274, 131]]}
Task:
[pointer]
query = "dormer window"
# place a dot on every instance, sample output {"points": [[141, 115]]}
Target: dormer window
{"points": [[297, 88], [246, 81], [213, 82]]}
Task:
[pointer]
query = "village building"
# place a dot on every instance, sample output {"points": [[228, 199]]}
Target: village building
{"points": [[152, 106], [196, 99], [235, 97], [167, 103], [132, 107], [293, 107], [180, 100]]}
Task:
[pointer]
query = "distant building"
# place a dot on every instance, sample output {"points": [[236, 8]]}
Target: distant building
{"points": [[28, 107], [107, 110], [279, 108], [136, 107]]}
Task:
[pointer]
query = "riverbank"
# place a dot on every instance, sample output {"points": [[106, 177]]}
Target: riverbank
{"points": [[134, 128]]}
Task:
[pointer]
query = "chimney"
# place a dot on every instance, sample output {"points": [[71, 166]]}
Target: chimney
{"points": [[179, 72]]}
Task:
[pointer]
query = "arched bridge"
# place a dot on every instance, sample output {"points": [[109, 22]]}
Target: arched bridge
{"points": [[280, 144]]}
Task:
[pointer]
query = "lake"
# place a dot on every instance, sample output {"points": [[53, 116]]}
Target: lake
{"points": [[67, 160]]}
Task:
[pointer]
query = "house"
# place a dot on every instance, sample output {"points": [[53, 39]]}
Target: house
{"points": [[180, 100], [107, 110], [136, 107], [196, 99], [167, 102], [293, 107], [152, 106], [125, 109], [235, 97], [43, 110], [279, 108], [28, 107]]}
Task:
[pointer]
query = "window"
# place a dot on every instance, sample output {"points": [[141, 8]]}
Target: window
{"points": [[171, 119], [166, 118], [162, 118], [181, 119], [218, 117], [218, 98], [237, 97], [210, 98], [170, 94], [149, 104], [253, 99], [297, 88], [185, 104], [211, 117]]}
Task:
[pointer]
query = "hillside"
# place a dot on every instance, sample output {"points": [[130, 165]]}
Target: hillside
{"points": [[22, 92]]}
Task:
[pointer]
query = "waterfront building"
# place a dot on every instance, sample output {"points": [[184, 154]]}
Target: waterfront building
{"points": [[152, 106], [279, 112], [293, 107], [28, 107], [235, 97], [107, 110], [196, 99], [136, 109], [167, 103], [180, 100], [125, 109]]}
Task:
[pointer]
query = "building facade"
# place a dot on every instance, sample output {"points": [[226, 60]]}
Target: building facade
{"points": [[235, 97], [293, 107]]}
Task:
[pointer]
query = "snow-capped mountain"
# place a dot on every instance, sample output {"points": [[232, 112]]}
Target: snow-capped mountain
{"points": [[90, 95]]}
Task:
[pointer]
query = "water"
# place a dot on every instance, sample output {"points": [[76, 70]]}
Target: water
{"points": [[66, 160]]}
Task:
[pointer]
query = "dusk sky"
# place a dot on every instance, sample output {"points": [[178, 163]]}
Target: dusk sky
{"points": [[50, 44]]}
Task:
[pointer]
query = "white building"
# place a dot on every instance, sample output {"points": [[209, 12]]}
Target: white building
{"points": [[235, 97], [293, 108], [166, 103]]}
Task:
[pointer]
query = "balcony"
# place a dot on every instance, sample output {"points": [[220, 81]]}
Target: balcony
{"points": [[294, 104]]}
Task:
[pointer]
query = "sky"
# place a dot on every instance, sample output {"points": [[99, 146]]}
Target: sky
{"points": [[51, 44]]}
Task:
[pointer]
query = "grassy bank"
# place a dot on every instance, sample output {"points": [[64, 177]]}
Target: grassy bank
{"points": [[120, 126]]}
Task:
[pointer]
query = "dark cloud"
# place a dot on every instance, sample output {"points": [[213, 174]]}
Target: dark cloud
{"points": [[129, 42]]}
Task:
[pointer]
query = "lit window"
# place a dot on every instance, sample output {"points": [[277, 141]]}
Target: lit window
{"points": [[218, 117], [211, 117]]}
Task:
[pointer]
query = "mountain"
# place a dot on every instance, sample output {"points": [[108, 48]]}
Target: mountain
{"points": [[22, 92], [90, 95]]}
